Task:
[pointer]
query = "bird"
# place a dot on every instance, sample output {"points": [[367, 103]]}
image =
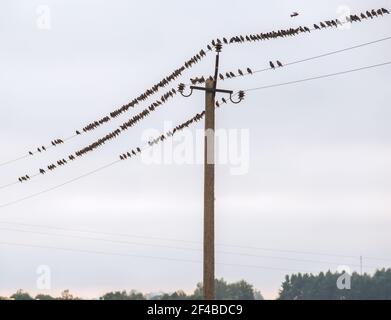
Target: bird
{"points": [[272, 65], [221, 76], [279, 63], [249, 71], [223, 99], [217, 104], [78, 132], [316, 26], [20, 179], [43, 148], [30, 153], [240, 72], [39, 150], [42, 171], [294, 14]]}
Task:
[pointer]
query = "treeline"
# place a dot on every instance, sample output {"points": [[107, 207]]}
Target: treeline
{"points": [[224, 291], [324, 286]]}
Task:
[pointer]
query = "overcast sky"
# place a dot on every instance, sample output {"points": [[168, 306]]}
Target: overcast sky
{"points": [[319, 178]]}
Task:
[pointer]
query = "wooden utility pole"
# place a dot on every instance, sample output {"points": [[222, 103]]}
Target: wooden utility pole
{"points": [[209, 192], [209, 173]]}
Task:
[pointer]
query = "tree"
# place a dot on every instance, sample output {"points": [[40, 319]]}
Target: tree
{"points": [[21, 295], [123, 295], [240, 290], [66, 295], [324, 286], [178, 295], [44, 297]]}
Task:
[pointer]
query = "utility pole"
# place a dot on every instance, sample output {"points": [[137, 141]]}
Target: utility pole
{"points": [[209, 192], [209, 174]]}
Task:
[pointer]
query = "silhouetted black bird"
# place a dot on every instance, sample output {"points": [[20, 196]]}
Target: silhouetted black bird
{"points": [[240, 72], [39, 150], [223, 99], [43, 148], [77, 132], [221, 76], [20, 179], [42, 171], [249, 71], [294, 14], [30, 153], [385, 11], [272, 65], [316, 26], [217, 104], [279, 63]]}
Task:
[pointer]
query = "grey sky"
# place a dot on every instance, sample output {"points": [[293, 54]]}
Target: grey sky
{"points": [[319, 178]]}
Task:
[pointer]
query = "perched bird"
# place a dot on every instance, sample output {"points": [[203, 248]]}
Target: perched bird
{"points": [[279, 63], [272, 65], [249, 71], [316, 27], [20, 179], [43, 148], [223, 99], [217, 104], [39, 150], [42, 171], [78, 132], [240, 72], [221, 76], [30, 153], [294, 14]]}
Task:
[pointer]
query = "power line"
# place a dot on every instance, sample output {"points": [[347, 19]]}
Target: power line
{"points": [[196, 58], [182, 127], [180, 248], [252, 72], [175, 240], [105, 253], [172, 93], [318, 77]]}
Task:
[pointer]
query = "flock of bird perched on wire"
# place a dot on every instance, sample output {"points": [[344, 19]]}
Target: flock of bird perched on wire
{"points": [[172, 92]]}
